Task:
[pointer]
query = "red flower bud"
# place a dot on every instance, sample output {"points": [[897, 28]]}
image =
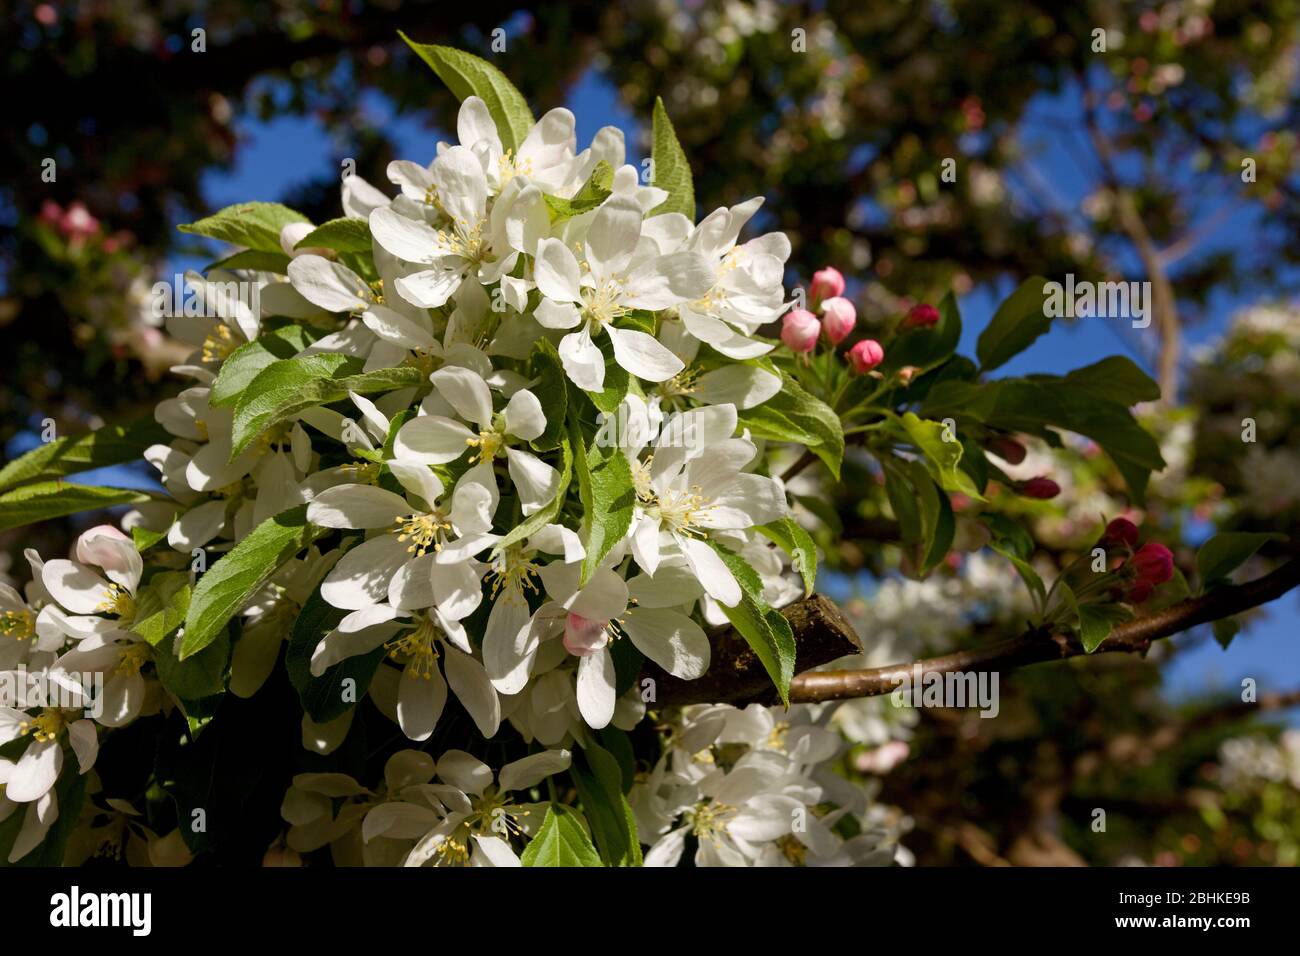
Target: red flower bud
{"points": [[1154, 563], [1040, 487], [921, 316], [1138, 592], [1008, 449], [1120, 531]]}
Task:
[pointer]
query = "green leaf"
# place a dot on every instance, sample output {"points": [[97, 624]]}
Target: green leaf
{"points": [[244, 364], [254, 225], [562, 841], [551, 391], [467, 75], [766, 631], [672, 172], [254, 259], [1226, 552], [929, 347], [288, 386], [199, 675], [160, 606], [794, 415], [1115, 379], [230, 583], [322, 697], [1018, 322], [1225, 629], [1026, 571], [599, 780], [594, 191], [341, 235], [54, 499], [942, 458], [1094, 627], [608, 494], [109, 445], [791, 538], [144, 539]]}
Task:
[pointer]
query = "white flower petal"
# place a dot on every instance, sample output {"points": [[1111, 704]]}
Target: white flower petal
{"points": [[466, 392], [670, 639], [715, 577], [356, 506], [431, 440], [643, 355], [595, 688]]}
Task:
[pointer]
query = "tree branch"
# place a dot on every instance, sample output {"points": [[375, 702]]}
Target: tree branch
{"points": [[822, 635]]}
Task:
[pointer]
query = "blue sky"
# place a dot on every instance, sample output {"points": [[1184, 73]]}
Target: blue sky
{"points": [[286, 151]]}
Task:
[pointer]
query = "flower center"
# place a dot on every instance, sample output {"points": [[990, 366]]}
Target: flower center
{"points": [[602, 305], [20, 625], [466, 240], [514, 571], [709, 820], [488, 443], [423, 531], [118, 601], [134, 656], [682, 510], [419, 648], [45, 727], [509, 166], [219, 344]]}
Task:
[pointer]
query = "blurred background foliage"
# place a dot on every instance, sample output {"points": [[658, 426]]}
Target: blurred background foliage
{"points": [[1129, 162]]}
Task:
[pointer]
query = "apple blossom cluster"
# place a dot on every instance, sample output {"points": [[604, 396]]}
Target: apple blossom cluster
{"points": [[503, 425]]}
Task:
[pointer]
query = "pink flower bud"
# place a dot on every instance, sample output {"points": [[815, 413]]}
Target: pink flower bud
{"points": [[1120, 531], [1139, 592], [921, 316], [1008, 449], [583, 636], [838, 318], [800, 330], [826, 283], [1040, 487], [866, 355], [1154, 563], [108, 548]]}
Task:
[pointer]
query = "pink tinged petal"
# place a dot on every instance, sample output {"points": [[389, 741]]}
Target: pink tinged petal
{"points": [[583, 361], [356, 506], [584, 636], [595, 689], [35, 772], [328, 285], [420, 702], [556, 272], [716, 578], [362, 576], [85, 743], [469, 681], [524, 416], [643, 355], [432, 440], [109, 549], [76, 587], [391, 326], [670, 639], [466, 392]]}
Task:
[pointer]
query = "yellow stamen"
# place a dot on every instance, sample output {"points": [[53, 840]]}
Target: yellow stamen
{"points": [[219, 344], [20, 625], [489, 444], [45, 727], [423, 531], [134, 656], [117, 601]]}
